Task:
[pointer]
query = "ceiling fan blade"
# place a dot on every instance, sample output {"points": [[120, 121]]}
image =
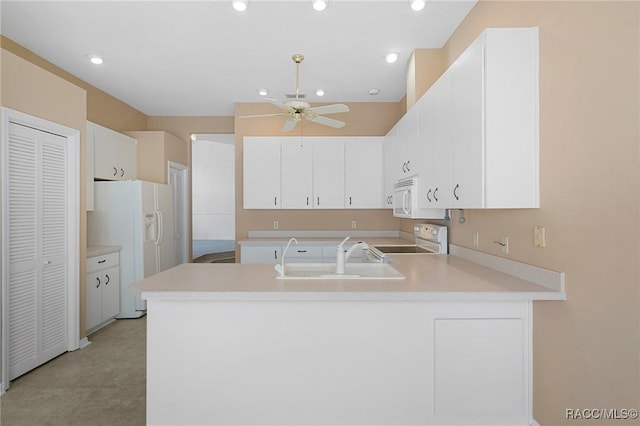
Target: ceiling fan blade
{"points": [[326, 121], [277, 103], [329, 109], [277, 114], [289, 124]]}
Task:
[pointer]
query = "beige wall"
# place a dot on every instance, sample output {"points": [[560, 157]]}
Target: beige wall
{"points": [[586, 350], [155, 149], [34, 91], [425, 67], [364, 119]]}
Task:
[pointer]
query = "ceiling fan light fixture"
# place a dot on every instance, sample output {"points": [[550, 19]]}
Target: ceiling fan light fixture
{"points": [[391, 57], [240, 5], [417, 5], [319, 5], [263, 92], [320, 92]]}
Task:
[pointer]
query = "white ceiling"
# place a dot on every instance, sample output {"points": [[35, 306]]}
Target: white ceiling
{"points": [[199, 57]]}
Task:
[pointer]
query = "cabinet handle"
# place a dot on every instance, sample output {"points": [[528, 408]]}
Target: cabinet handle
{"points": [[302, 251], [98, 278], [115, 171], [307, 200], [404, 165], [275, 254], [349, 200], [102, 261], [429, 195], [318, 200], [121, 172], [408, 162], [455, 191], [435, 192], [108, 279], [275, 201]]}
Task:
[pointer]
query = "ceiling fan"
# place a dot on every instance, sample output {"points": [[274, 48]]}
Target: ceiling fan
{"points": [[297, 109]]}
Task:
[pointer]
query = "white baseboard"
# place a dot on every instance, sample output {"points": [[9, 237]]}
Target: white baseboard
{"points": [[84, 342]]}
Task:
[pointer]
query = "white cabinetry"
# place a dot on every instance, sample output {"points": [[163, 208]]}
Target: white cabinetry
{"points": [[103, 289], [328, 173], [297, 173], [115, 154], [260, 253], [495, 121], [261, 171], [406, 162], [389, 155], [315, 172], [363, 177]]}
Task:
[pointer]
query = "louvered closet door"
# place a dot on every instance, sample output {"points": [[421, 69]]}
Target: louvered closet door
{"points": [[37, 235]]}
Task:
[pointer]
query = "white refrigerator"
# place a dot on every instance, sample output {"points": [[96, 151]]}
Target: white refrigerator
{"points": [[137, 216]]}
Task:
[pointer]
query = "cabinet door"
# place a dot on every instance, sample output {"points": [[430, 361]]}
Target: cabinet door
{"points": [[127, 157], [105, 154], [468, 128], [297, 173], [328, 173], [95, 282], [363, 173], [90, 165], [439, 193], [260, 254], [408, 142], [261, 173], [390, 171], [111, 293]]}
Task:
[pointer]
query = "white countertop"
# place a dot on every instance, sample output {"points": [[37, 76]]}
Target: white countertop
{"points": [[93, 251], [427, 277]]}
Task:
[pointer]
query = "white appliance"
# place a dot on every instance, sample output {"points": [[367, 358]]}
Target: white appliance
{"points": [[137, 216], [430, 239], [406, 203]]}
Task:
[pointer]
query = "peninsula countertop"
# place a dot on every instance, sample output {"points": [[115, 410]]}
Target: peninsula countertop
{"points": [[427, 277]]}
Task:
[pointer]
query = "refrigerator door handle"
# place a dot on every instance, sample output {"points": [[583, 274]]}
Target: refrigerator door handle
{"points": [[160, 228]]}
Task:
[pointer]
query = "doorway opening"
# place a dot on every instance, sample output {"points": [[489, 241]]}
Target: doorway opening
{"points": [[213, 197]]}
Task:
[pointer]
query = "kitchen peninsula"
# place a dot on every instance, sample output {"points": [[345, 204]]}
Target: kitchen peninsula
{"points": [[448, 344]]}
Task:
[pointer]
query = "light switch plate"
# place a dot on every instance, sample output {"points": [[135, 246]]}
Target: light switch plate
{"points": [[539, 236]]}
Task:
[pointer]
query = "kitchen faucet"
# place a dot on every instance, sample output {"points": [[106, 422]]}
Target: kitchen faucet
{"points": [[342, 255], [280, 268]]}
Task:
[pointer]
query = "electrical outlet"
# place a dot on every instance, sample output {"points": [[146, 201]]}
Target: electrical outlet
{"points": [[505, 244], [354, 224], [275, 224], [476, 239], [539, 236]]}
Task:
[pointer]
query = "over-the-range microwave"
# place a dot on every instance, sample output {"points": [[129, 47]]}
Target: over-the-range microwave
{"points": [[406, 202]]}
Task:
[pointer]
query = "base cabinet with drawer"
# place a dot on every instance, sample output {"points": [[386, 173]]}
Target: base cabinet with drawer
{"points": [[318, 252], [103, 290]]}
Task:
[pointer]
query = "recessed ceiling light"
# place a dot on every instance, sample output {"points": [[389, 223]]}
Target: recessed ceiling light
{"points": [[240, 5], [263, 92], [373, 91], [417, 5], [391, 57], [319, 5], [320, 92], [96, 60]]}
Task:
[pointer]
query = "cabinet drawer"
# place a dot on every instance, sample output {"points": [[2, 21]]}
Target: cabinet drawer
{"points": [[304, 252], [98, 263]]}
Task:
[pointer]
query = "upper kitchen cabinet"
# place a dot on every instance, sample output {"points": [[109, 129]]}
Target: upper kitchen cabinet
{"points": [[407, 159], [155, 150], [363, 173], [297, 173], [261, 173], [115, 154], [495, 160], [328, 173], [389, 159]]}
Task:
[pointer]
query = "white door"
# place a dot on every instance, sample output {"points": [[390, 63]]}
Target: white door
{"points": [[328, 173], [37, 232], [297, 174], [165, 245], [261, 173], [363, 173], [178, 174]]}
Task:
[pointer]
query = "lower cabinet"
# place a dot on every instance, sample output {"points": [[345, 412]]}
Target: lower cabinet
{"points": [[260, 253], [103, 290], [256, 252]]}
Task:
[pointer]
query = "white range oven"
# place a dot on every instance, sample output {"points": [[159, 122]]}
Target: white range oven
{"points": [[430, 239]]}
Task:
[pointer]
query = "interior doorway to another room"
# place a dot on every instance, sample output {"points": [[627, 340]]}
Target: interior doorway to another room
{"points": [[213, 197]]}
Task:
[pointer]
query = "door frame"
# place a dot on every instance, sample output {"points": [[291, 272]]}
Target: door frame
{"points": [[73, 237], [184, 173]]}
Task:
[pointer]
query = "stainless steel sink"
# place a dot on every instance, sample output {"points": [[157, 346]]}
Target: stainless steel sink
{"points": [[326, 271]]}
